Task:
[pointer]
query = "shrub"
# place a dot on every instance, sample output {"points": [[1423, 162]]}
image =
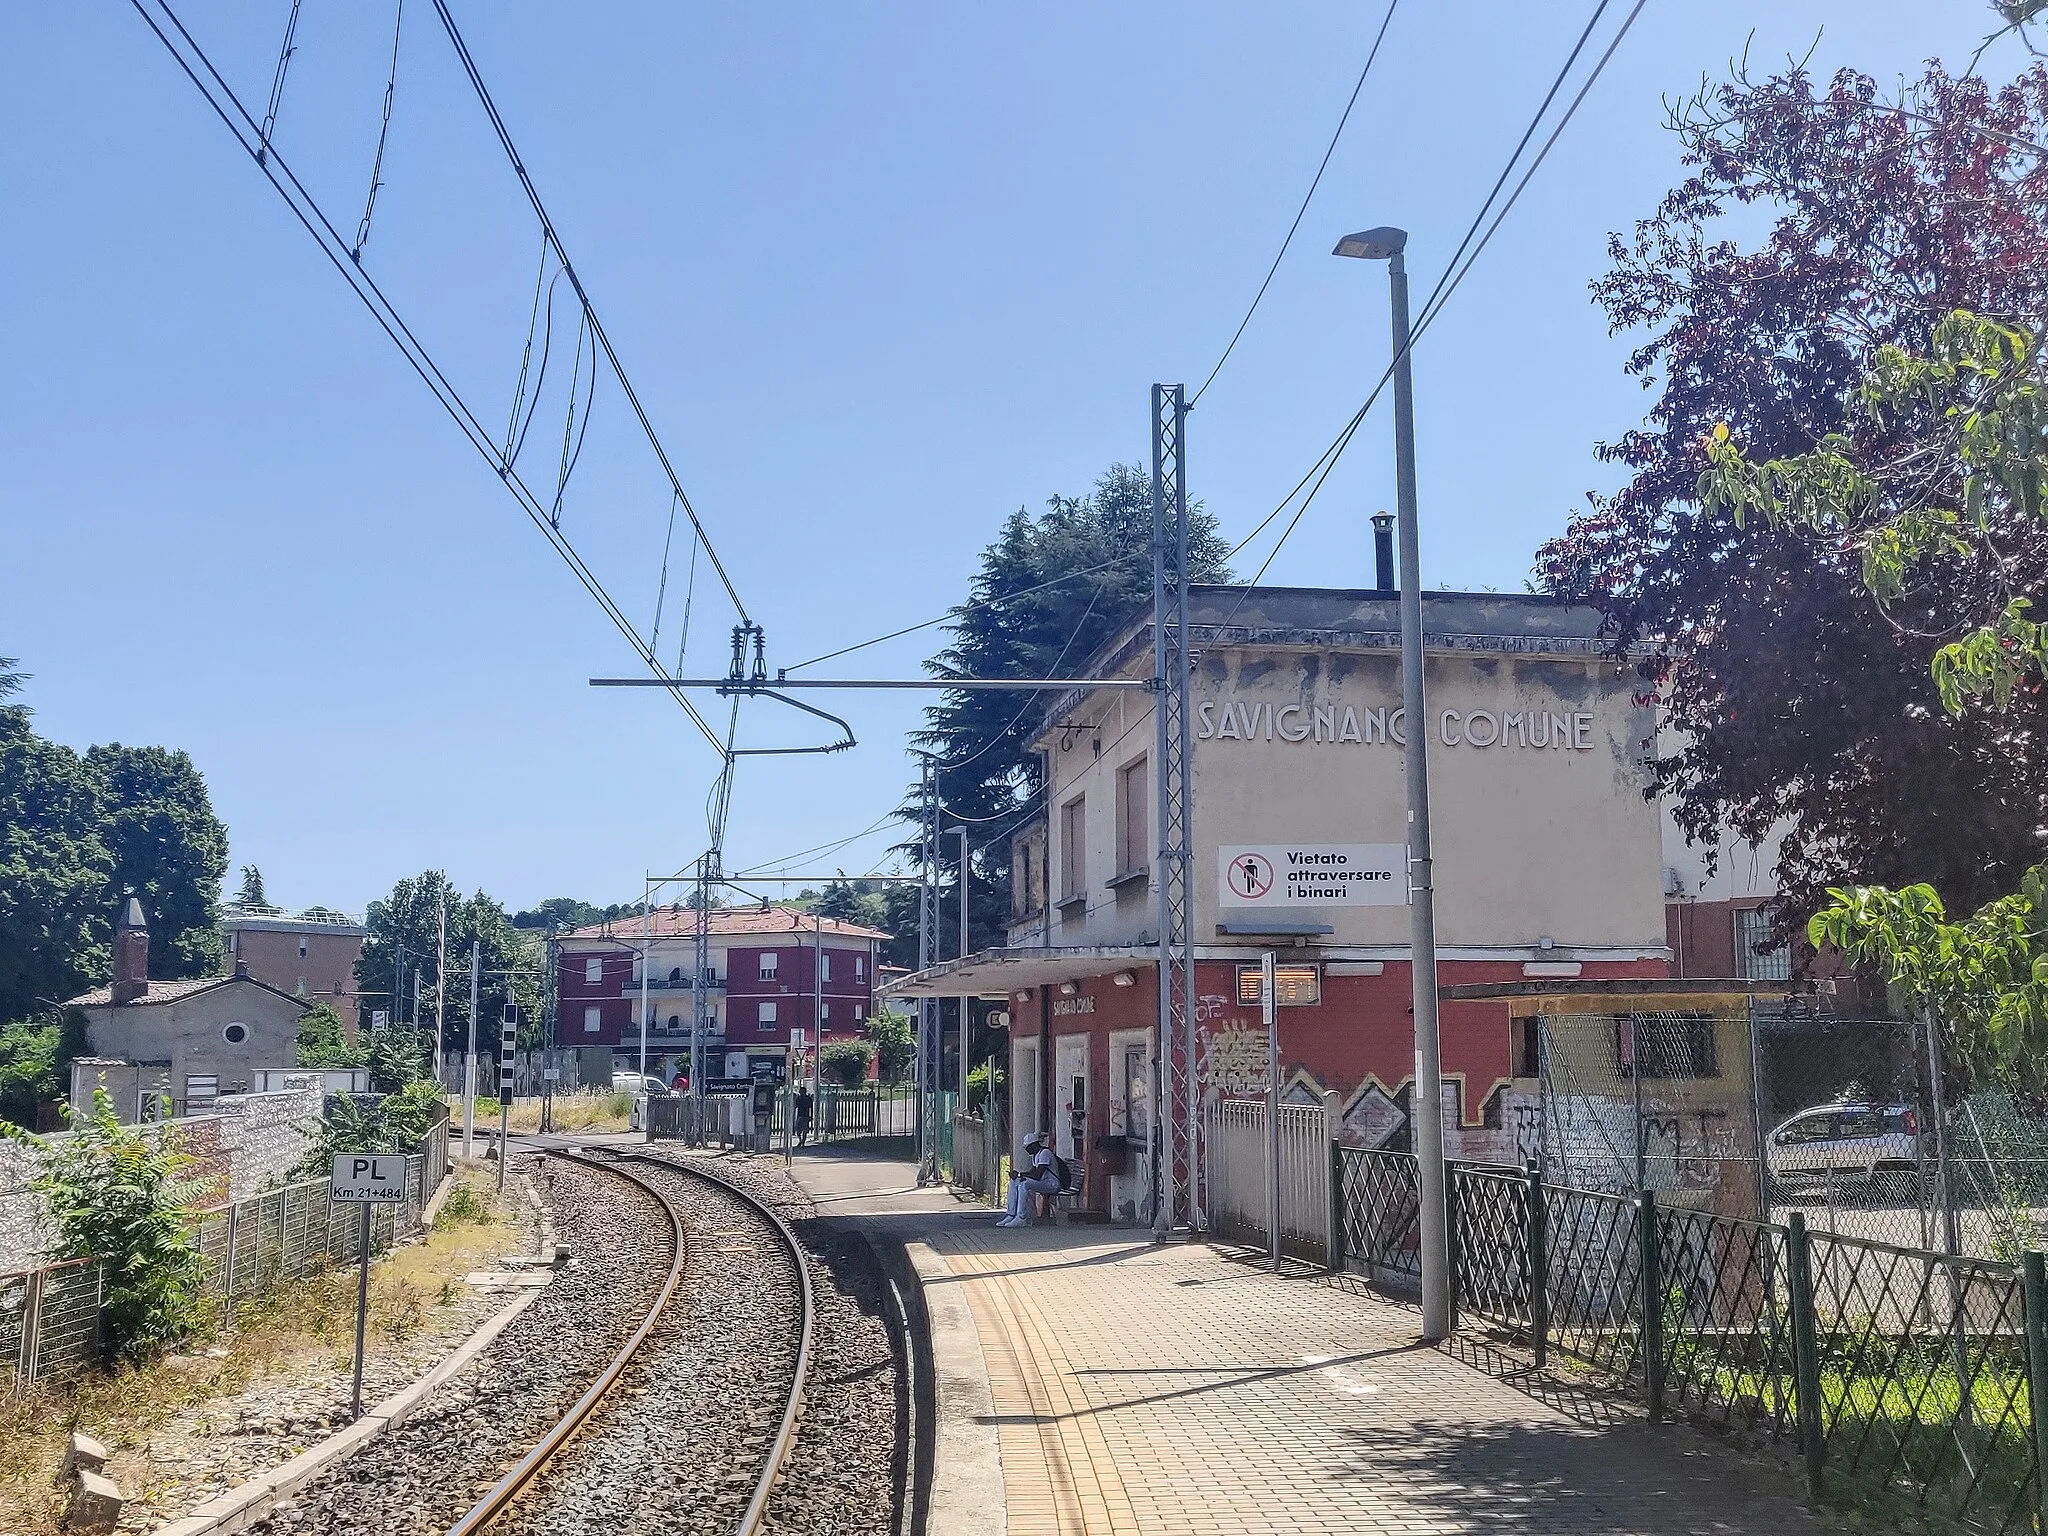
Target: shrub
{"points": [[893, 1036], [116, 1194], [323, 1042], [978, 1085], [845, 1062], [399, 1058]]}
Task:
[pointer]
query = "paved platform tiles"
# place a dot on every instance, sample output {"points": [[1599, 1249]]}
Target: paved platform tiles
{"points": [[1179, 1390]]}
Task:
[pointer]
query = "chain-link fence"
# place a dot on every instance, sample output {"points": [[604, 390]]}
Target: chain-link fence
{"points": [[1864, 1127]]}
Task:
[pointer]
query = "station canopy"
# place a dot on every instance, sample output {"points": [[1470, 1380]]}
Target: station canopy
{"points": [[1003, 970]]}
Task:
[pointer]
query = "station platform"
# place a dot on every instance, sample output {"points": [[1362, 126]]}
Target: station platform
{"points": [[1123, 1386]]}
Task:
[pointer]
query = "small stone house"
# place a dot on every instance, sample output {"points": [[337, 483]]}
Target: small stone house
{"points": [[169, 1048]]}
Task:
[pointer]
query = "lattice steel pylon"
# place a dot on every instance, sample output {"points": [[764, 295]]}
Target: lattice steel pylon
{"points": [[1176, 1071], [928, 1045]]}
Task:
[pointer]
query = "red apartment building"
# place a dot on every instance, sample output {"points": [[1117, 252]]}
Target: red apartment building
{"points": [[774, 971]]}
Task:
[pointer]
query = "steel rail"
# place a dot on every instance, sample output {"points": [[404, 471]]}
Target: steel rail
{"points": [[792, 1411], [507, 1488]]}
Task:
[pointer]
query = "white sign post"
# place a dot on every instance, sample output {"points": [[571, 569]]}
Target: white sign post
{"points": [[365, 1179], [1303, 876]]}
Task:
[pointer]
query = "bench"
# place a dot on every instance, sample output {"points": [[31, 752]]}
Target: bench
{"points": [[1064, 1201]]}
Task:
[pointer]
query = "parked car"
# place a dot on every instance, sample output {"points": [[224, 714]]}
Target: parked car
{"points": [[636, 1084], [1833, 1142]]}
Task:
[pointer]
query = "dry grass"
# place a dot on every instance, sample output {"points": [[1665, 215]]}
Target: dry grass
{"points": [[301, 1323], [573, 1112]]}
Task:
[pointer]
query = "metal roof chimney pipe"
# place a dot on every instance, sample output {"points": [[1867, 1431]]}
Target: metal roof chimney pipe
{"points": [[1383, 553]]}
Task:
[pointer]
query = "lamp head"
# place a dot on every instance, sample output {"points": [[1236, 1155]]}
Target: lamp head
{"points": [[1373, 244]]}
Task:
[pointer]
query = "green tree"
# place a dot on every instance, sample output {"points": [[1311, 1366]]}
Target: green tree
{"points": [[35, 1065], [400, 1059], [324, 1042], [56, 917], [117, 1193], [250, 897], [892, 1037], [1052, 589], [401, 940], [169, 849]]}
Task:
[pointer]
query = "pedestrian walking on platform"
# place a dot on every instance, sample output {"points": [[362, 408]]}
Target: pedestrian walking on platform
{"points": [[1044, 1176], [803, 1113]]}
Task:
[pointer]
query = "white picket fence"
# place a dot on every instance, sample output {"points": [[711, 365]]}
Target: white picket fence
{"points": [[1235, 1155]]}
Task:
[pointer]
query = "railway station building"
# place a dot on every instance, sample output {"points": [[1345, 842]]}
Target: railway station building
{"points": [[1550, 865]]}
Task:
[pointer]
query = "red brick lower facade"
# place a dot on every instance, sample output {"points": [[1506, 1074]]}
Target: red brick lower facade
{"points": [[1358, 1042]]}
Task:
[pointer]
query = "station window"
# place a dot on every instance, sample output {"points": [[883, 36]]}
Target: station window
{"points": [[859, 1012], [824, 965], [1756, 958], [1668, 1045], [824, 1010], [860, 967], [593, 1019], [769, 961], [593, 968], [767, 1013]]}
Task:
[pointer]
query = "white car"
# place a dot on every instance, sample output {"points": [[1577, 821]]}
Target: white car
{"points": [[635, 1084], [1832, 1142]]}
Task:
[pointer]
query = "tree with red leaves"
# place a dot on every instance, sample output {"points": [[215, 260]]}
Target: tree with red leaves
{"points": [[1796, 697]]}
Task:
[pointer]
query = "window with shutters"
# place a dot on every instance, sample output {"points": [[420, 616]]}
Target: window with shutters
{"points": [[1074, 850], [593, 969], [769, 961], [1132, 823], [767, 1013]]}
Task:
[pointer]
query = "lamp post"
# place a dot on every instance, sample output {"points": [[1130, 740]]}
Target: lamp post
{"points": [[1426, 1105]]}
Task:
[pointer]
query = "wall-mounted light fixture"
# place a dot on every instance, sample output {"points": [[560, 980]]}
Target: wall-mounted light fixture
{"points": [[1023, 997], [1124, 979], [1067, 989]]}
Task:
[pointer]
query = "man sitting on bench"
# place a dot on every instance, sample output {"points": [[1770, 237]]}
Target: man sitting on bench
{"points": [[1043, 1177]]}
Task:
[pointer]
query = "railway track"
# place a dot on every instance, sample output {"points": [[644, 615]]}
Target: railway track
{"points": [[635, 1468]]}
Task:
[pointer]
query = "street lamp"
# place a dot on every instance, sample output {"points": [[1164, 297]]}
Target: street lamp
{"points": [[1426, 1106]]}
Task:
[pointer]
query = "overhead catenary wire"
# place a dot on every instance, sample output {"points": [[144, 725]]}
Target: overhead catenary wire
{"points": [[1306, 197], [355, 252], [192, 59], [970, 605], [284, 63], [1453, 274], [597, 330]]}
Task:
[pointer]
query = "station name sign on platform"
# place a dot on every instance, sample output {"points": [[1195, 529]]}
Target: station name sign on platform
{"points": [[1312, 874], [360, 1178]]}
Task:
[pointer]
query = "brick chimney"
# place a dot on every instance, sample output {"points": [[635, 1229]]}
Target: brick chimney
{"points": [[131, 954]]}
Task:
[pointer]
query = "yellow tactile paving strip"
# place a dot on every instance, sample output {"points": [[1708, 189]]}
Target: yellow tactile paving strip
{"points": [[1059, 1473]]}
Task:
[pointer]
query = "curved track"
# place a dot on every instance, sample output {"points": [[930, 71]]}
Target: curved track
{"points": [[505, 1493]]}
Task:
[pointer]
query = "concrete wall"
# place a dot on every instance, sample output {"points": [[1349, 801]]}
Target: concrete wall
{"points": [[1532, 841]]}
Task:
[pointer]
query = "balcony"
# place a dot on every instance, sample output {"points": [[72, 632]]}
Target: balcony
{"points": [[631, 988]]}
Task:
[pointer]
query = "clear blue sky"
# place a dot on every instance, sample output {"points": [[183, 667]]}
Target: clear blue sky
{"points": [[882, 274]]}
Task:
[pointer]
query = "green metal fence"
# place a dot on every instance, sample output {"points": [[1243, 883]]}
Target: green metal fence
{"points": [[1915, 1375]]}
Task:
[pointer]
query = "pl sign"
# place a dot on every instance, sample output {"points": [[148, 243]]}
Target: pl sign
{"points": [[1300, 875]]}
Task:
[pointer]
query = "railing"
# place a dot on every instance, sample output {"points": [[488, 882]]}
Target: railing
{"points": [[977, 1154], [1235, 1152], [1912, 1373]]}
